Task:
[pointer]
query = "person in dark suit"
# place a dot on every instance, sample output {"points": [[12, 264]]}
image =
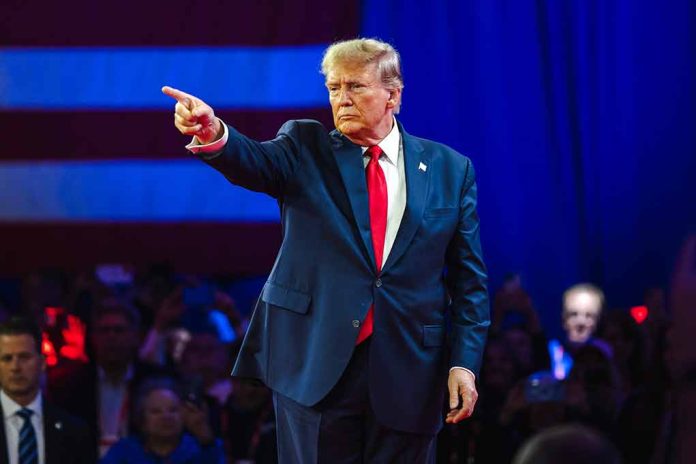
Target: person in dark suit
{"points": [[34, 431], [380, 240], [100, 391]]}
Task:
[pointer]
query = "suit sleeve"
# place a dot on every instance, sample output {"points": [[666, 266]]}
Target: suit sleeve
{"points": [[467, 283], [260, 166]]}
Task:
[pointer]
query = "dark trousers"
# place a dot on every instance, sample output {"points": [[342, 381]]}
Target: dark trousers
{"points": [[342, 427]]}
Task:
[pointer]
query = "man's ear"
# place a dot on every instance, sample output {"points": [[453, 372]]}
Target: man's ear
{"points": [[394, 96]]}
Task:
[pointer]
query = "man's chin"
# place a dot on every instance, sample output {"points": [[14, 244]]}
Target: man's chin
{"points": [[17, 389], [347, 127]]}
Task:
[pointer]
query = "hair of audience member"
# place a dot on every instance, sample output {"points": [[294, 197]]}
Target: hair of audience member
{"points": [[113, 305], [585, 288], [362, 52], [568, 444], [20, 325]]}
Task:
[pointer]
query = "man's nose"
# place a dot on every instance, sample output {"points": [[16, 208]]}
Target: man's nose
{"points": [[344, 98]]}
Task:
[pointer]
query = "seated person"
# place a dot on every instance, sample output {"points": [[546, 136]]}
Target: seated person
{"points": [[169, 430]]}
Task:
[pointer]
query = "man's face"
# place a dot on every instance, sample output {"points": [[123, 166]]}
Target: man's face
{"points": [[205, 356], [20, 366], [162, 415], [580, 315], [114, 339], [363, 109]]}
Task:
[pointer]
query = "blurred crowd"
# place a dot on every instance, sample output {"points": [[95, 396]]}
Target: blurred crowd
{"points": [[143, 358]]}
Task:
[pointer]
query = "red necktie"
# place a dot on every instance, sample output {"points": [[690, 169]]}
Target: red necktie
{"points": [[377, 196]]}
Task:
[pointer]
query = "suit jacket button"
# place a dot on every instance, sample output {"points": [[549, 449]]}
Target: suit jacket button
{"points": [[356, 323], [378, 283]]}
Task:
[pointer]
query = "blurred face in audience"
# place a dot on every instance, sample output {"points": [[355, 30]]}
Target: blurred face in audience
{"points": [[205, 356], [581, 311], [162, 416], [520, 343], [499, 371], [21, 366], [115, 340]]}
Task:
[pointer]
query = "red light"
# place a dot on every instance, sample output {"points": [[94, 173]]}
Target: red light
{"points": [[48, 351], [639, 313], [74, 338]]}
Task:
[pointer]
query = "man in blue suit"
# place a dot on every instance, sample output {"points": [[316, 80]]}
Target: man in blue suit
{"points": [[380, 242]]}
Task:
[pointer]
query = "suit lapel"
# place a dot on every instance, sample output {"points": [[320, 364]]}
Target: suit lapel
{"points": [[417, 174], [52, 429], [350, 165]]}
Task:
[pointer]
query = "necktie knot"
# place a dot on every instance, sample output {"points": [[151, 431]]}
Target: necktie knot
{"points": [[25, 413], [374, 152]]}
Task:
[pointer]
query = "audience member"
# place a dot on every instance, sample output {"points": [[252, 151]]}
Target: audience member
{"points": [[568, 444], [684, 351], [516, 319], [627, 342], [100, 392], [582, 308], [599, 397], [34, 430], [633, 382], [169, 430]]}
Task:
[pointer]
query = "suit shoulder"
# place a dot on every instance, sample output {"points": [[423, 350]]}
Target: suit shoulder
{"points": [[304, 126], [447, 152]]}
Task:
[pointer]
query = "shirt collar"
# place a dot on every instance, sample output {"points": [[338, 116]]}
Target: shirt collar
{"points": [[390, 145], [10, 407]]}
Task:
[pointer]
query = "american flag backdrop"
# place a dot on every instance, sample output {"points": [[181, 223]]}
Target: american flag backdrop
{"points": [[91, 167]]}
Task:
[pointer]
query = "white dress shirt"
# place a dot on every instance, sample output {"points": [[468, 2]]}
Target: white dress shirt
{"points": [[14, 423], [113, 409]]}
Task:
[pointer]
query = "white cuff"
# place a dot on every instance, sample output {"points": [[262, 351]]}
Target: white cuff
{"points": [[464, 368], [212, 147]]}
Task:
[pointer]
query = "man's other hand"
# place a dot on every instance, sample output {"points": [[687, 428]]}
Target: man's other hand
{"points": [[192, 116], [461, 384]]}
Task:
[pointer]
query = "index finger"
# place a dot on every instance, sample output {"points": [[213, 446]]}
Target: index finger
{"points": [[178, 95]]}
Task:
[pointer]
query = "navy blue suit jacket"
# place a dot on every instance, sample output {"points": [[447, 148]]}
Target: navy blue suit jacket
{"points": [[306, 321]]}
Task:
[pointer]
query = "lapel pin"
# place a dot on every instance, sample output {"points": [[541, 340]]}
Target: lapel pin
{"points": [[58, 425], [422, 167]]}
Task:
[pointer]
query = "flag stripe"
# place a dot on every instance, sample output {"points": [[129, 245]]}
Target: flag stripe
{"points": [[179, 23], [236, 248], [134, 190], [132, 77], [76, 135]]}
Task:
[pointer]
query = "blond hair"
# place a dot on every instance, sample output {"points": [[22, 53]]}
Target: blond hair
{"points": [[363, 52]]}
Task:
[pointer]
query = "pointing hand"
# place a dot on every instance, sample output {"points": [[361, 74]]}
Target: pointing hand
{"points": [[192, 116]]}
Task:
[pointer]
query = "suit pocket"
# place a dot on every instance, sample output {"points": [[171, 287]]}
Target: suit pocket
{"points": [[433, 335], [286, 298], [441, 212]]}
